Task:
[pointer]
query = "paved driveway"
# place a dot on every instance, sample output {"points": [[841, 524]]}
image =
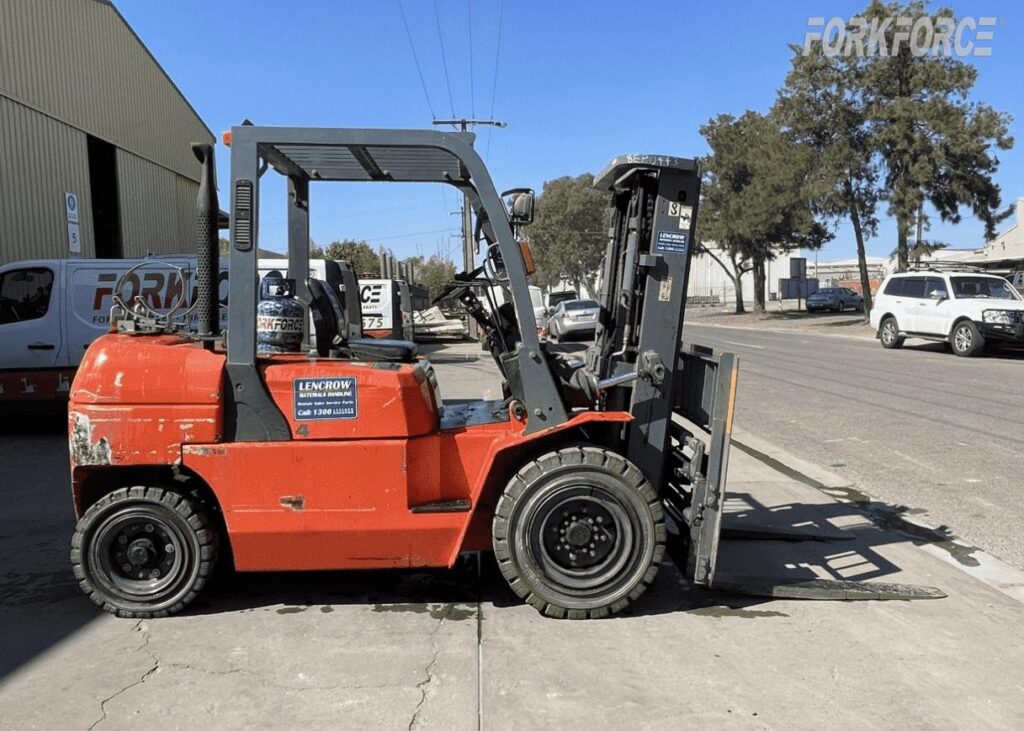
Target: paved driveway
{"points": [[455, 649]]}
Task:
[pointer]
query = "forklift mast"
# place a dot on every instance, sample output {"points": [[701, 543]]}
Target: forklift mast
{"points": [[681, 400], [643, 294]]}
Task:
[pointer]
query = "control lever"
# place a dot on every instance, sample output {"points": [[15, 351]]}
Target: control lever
{"points": [[649, 368]]}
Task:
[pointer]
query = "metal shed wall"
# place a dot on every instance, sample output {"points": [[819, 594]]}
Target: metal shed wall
{"points": [[79, 62], [157, 207], [40, 160]]}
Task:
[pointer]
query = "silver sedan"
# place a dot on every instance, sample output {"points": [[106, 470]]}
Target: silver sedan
{"points": [[575, 318]]}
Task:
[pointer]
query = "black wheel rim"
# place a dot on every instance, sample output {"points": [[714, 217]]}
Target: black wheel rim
{"points": [[139, 556], [569, 547]]}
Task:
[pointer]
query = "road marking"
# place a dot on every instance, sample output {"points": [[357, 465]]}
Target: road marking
{"points": [[743, 345]]}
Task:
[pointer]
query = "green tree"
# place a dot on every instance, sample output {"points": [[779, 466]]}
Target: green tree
{"points": [[569, 232], [934, 144], [433, 273], [360, 254], [821, 107], [755, 200]]}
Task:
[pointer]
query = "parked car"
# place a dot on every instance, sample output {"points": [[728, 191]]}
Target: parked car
{"points": [[837, 299], [575, 318], [967, 310]]}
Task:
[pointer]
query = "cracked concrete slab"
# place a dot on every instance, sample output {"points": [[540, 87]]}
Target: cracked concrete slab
{"points": [[682, 656], [65, 686], [400, 649], [351, 667]]}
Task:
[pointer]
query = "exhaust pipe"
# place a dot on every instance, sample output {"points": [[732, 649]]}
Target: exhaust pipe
{"points": [[207, 245]]}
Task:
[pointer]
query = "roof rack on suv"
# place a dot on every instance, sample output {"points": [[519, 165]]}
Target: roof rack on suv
{"points": [[947, 266]]}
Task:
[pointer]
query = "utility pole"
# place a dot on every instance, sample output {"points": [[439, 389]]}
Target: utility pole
{"points": [[468, 247], [468, 252]]}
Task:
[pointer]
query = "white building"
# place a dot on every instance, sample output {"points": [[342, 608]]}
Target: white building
{"points": [[1005, 251], [839, 271], [709, 284]]}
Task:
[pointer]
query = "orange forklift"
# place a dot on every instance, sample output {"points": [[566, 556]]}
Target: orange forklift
{"points": [[341, 453]]}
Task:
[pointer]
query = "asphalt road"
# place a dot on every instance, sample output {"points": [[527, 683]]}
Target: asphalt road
{"points": [[916, 427]]}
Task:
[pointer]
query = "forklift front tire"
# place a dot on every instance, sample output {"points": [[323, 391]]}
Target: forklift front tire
{"points": [[579, 533], [143, 552]]}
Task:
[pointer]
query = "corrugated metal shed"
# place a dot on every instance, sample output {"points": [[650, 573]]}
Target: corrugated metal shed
{"points": [[41, 159], [72, 72], [80, 62], [157, 207]]}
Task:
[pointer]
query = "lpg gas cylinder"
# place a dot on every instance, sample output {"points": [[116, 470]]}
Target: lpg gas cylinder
{"points": [[279, 317]]}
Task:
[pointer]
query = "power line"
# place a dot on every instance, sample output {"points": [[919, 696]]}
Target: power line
{"points": [[444, 58], [497, 54], [416, 59], [415, 233], [494, 84], [472, 84]]}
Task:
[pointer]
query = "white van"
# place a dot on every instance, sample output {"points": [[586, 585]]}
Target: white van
{"points": [[52, 309]]}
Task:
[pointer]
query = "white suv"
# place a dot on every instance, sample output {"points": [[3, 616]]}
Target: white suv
{"points": [[965, 309]]}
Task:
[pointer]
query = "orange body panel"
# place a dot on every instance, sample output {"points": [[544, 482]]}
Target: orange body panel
{"points": [[343, 493], [136, 400], [394, 400], [349, 503]]}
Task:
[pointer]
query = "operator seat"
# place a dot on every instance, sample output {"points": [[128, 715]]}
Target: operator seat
{"points": [[330, 322]]}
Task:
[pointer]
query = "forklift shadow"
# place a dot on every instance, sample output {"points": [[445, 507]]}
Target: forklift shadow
{"points": [[762, 548], [410, 588], [767, 551]]}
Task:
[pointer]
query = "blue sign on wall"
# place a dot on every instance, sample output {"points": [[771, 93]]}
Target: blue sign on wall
{"points": [[325, 398], [671, 242]]}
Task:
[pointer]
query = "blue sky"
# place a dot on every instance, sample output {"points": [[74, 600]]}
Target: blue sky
{"points": [[577, 82]]}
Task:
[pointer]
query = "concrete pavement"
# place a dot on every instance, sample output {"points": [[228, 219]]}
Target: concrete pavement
{"points": [[426, 649]]}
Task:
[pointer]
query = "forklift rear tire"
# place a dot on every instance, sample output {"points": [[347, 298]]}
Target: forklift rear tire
{"points": [[579, 533], [143, 552]]}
